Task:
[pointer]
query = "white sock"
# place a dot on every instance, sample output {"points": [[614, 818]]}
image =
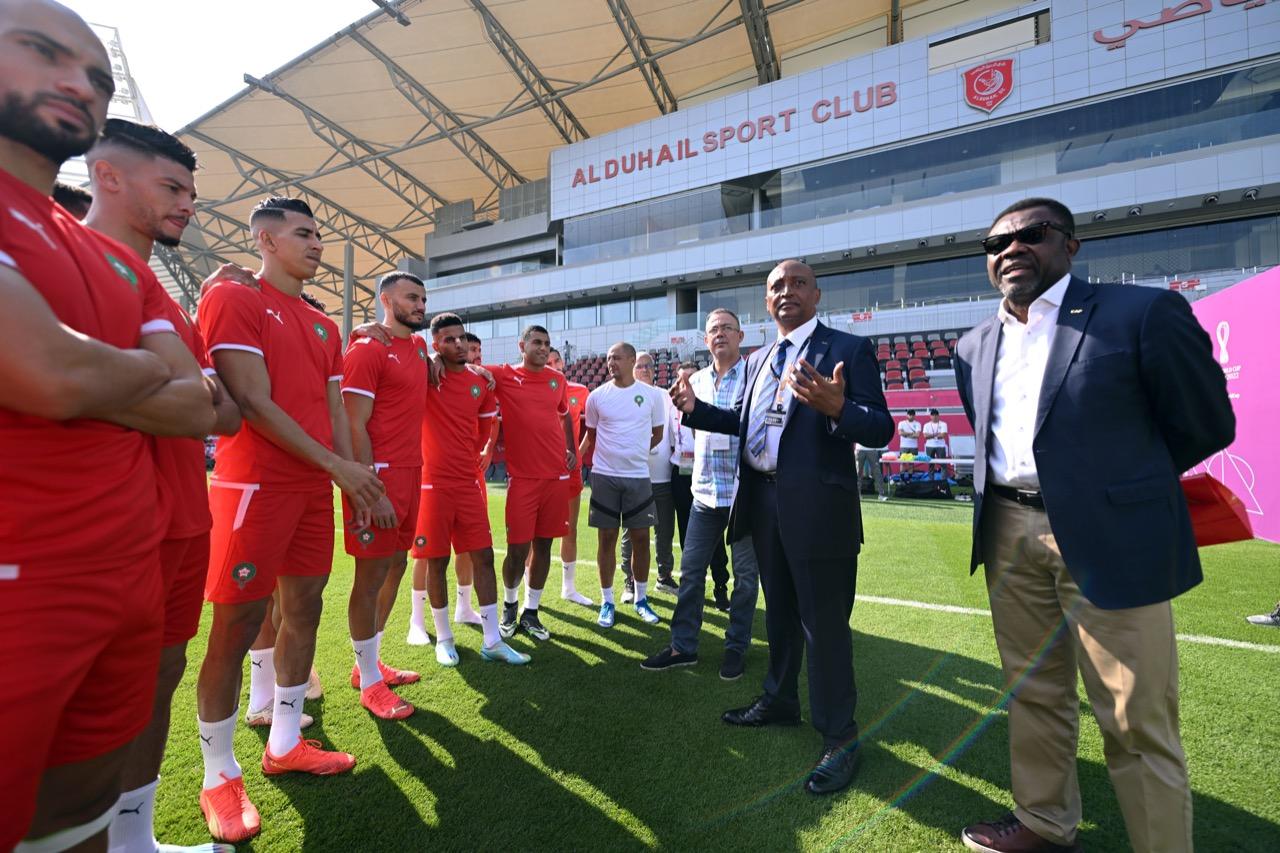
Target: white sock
{"points": [[286, 721], [441, 617], [532, 598], [642, 589], [366, 661], [131, 830], [463, 603], [569, 582], [262, 678], [511, 594], [489, 624], [217, 750], [378, 636], [606, 592], [419, 610]]}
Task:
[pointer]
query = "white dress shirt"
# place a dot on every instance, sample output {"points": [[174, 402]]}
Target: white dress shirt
{"points": [[799, 338], [1015, 396]]}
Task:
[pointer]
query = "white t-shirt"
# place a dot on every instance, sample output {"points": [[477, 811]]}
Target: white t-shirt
{"points": [[935, 435], [660, 455], [623, 419], [910, 432]]}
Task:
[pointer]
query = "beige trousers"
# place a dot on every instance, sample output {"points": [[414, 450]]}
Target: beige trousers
{"points": [[1045, 629]]}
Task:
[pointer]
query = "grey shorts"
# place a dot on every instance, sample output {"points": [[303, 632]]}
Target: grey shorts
{"points": [[620, 502]]}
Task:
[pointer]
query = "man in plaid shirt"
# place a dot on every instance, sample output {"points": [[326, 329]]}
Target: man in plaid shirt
{"points": [[715, 481]]}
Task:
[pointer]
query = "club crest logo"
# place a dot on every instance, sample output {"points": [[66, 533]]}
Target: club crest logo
{"points": [[321, 331], [475, 391], [987, 85], [555, 384], [639, 398], [122, 270], [573, 401], [365, 537], [242, 573], [422, 355], [421, 541]]}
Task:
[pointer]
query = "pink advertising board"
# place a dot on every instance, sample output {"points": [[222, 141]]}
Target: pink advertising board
{"points": [[1244, 323]]}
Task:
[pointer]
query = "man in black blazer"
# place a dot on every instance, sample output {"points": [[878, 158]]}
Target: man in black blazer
{"points": [[1088, 401], [809, 396]]}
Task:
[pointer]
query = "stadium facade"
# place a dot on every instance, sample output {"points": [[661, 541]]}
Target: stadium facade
{"points": [[1158, 123]]}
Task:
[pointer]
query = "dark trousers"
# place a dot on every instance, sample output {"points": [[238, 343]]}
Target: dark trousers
{"points": [[682, 492], [807, 608]]}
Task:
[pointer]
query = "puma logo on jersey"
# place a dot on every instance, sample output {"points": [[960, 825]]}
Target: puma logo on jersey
{"points": [[37, 227], [518, 380], [393, 357], [276, 316]]}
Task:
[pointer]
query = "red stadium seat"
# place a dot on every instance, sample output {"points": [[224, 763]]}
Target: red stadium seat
{"points": [[918, 373], [892, 375], [894, 386]]}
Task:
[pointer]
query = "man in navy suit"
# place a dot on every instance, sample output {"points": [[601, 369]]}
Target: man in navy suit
{"points": [[1087, 401], [809, 396]]}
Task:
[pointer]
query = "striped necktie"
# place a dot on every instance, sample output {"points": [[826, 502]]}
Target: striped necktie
{"points": [[757, 428]]}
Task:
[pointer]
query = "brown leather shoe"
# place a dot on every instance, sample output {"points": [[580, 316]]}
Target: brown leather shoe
{"points": [[1009, 835]]}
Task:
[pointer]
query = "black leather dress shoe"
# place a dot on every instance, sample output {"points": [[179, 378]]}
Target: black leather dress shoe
{"points": [[835, 769], [762, 712]]}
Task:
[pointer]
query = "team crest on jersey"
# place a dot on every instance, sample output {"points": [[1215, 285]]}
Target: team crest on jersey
{"points": [[475, 391], [242, 573], [365, 537], [122, 270], [573, 401], [422, 354], [639, 398], [421, 541], [554, 384], [321, 331]]}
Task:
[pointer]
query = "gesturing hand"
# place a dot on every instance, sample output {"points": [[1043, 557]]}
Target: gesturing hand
{"points": [[816, 391], [682, 396]]}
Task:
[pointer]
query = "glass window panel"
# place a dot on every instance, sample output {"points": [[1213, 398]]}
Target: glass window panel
{"points": [[651, 308], [506, 327], [582, 316], [615, 312]]}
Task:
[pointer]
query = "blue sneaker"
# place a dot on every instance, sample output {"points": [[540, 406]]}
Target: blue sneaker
{"points": [[606, 615], [646, 612], [503, 653]]}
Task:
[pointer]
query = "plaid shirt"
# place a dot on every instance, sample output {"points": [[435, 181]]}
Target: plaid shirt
{"points": [[715, 472]]}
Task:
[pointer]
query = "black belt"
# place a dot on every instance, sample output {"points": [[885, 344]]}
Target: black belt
{"points": [[1026, 497], [770, 477]]}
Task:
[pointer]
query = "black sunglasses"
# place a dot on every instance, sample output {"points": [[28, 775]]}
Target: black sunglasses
{"points": [[1028, 235]]}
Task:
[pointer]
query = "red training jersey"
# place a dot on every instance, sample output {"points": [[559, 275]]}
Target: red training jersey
{"points": [[303, 355], [533, 405], [180, 461], [77, 495], [577, 405], [455, 426], [395, 378]]}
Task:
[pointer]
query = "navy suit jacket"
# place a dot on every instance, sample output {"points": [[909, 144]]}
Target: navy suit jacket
{"points": [[1131, 398], [818, 511]]}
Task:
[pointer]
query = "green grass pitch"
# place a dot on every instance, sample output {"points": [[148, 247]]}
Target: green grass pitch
{"points": [[582, 750]]}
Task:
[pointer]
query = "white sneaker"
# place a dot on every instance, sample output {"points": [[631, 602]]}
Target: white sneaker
{"points": [[418, 636], [466, 616], [575, 596], [446, 653], [254, 719]]}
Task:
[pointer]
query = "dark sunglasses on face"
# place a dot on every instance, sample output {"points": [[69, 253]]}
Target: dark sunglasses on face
{"points": [[1028, 235]]}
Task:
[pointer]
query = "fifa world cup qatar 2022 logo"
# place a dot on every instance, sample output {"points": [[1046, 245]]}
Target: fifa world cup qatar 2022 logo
{"points": [[987, 85]]}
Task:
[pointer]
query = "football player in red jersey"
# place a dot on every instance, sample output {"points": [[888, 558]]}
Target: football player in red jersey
{"points": [[569, 544], [464, 612], [272, 503], [534, 401], [383, 388], [88, 358], [144, 193]]}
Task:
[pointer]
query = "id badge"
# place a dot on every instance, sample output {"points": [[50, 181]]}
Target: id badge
{"points": [[774, 419], [719, 442]]}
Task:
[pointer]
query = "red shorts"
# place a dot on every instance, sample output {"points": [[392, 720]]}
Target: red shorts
{"points": [[259, 534], [537, 509], [81, 654], [452, 513], [575, 482], [402, 489], [184, 564], [484, 487]]}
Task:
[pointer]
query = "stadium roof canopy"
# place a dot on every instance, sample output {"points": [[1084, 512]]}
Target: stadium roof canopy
{"points": [[422, 104]]}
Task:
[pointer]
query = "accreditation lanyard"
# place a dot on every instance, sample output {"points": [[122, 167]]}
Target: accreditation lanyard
{"points": [[777, 412]]}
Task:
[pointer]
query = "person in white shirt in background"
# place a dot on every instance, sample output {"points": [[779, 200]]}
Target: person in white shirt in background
{"points": [[935, 439], [624, 421], [909, 433], [663, 502]]}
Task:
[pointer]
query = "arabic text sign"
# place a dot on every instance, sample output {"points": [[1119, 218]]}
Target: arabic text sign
{"points": [[1168, 15], [1239, 320]]}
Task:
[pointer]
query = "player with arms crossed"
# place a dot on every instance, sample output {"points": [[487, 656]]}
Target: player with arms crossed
{"points": [[534, 400], [272, 503], [88, 362], [144, 193], [382, 389]]}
